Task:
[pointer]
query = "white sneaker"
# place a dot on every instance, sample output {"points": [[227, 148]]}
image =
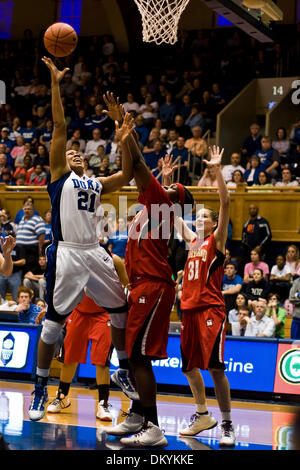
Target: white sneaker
{"points": [[132, 424], [228, 436], [125, 380], [59, 403], [198, 423], [38, 402], [149, 436], [103, 412]]}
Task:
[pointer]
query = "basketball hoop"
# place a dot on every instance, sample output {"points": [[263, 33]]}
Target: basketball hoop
{"points": [[160, 19]]}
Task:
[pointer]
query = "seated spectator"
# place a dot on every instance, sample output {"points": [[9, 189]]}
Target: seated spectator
{"points": [[251, 175], [181, 174], [18, 150], [46, 134], [5, 140], [113, 149], [282, 144], [7, 177], [240, 301], [280, 278], [149, 110], [263, 181], [43, 157], [256, 289], [237, 178], [118, 241], [292, 161], [252, 143], [294, 298], [14, 281], [181, 128], [218, 96], [167, 111], [260, 325], [195, 118], [7, 222], [25, 169], [38, 177], [20, 213], [207, 109], [131, 104], [142, 130], [287, 179], [269, 158], [238, 327], [103, 169], [153, 158], [76, 136], [20, 181], [171, 140], [196, 145], [93, 144], [15, 130], [48, 229], [209, 177], [228, 170], [295, 132], [29, 133], [277, 313], [27, 311], [95, 161], [35, 279], [158, 124], [256, 263], [231, 286], [154, 135], [185, 107], [117, 166], [292, 260]]}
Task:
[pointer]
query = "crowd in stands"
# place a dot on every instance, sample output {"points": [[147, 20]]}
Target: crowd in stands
{"points": [[174, 101]]}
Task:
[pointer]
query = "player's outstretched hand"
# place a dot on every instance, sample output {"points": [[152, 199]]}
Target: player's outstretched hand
{"points": [[7, 245], [167, 167], [215, 157], [123, 132], [56, 75], [114, 109]]}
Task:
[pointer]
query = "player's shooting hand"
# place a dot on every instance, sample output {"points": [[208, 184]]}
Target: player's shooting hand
{"points": [[114, 109], [56, 75], [167, 168], [122, 133], [215, 157], [7, 245]]}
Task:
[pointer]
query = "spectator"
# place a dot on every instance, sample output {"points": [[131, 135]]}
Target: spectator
{"points": [[228, 170], [181, 128], [149, 110], [152, 158], [31, 235], [25, 169], [218, 96], [117, 166], [29, 133], [251, 175], [295, 132], [162, 130], [294, 298], [181, 151], [292, 260], [240, 301], [92, 145], [8, 224], [95, 162], [238, 327], [20, 213], [195, 118], [185, 107], [43, 157], [287, 179], [118, 241], [38, 177], [282, 144], [153, 137], [131, 104], [141, 129], [237, 178], [48, 229], [257, 288], [260, 325], [76, 136], [269, 158], [256, 263], [231, 285], [103, 169], [277, 313], [7, 177], [256, 233], [263, 181], [197, 148], [208, 178], [35, 279], [252, 143], [14, 281], [280, 278], [167, 111], [18, 149], [5, 140], [46, 134], [27, 311]]}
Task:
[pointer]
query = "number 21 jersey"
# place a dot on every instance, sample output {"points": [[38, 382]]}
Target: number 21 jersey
{"points": [[203, 275]]}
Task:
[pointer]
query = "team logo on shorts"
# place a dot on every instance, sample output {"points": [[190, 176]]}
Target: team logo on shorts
{"points": [[142, 299], [209, 322]]}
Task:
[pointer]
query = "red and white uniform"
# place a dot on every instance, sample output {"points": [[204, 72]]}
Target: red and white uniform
{"points": [[88, 322], [152, 288], [204, 314]]}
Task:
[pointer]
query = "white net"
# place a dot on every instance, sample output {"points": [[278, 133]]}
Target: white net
{"points": [[160, 19]]}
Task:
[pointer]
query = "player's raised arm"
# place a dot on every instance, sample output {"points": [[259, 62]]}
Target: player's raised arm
{"points": [[58, 163], [221, 231]]}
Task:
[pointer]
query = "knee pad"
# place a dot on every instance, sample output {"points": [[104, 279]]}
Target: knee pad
{"points": [[51, 331], [119, 320]]}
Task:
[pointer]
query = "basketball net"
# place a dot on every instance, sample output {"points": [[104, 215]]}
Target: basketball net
{"points": [[160, 19]]}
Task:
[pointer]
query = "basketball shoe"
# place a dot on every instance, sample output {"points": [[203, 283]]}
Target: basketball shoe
{"points": [[227, 434], [123, 379], [38, 402], [199, 422], [103, 412], [59, 403], [149, 436], [132, 424]]}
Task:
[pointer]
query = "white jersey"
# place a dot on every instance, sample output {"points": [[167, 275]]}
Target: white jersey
{"points": [[75, 201]]}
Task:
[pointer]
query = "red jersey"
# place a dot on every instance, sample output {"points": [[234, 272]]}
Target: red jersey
{"points": [[203, 275], [88, 307], [148, 236]]}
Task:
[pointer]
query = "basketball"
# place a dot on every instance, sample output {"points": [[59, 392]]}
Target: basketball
{"points": [[60, 39]]}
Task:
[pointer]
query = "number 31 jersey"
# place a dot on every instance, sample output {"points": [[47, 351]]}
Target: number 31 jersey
{"points": [[203, 275], [74, 201]]}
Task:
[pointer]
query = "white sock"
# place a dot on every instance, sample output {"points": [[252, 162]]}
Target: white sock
{"points": [[201, 408], [42, 372], [226, 415]]}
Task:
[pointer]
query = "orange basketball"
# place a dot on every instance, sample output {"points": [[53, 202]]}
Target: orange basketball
{"points": [[60, 39]]}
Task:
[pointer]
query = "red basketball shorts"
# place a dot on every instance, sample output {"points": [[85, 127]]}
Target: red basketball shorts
{"points": [[83, 328], [202, 338], [147, 330]]}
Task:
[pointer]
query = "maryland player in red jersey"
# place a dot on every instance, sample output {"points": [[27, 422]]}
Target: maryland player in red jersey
{"points": [[204, 316], [88, 322]]}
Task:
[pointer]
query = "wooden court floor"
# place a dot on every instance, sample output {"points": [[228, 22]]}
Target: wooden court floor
{"points": [[258, 425]]}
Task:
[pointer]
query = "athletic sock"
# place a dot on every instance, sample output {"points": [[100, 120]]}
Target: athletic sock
{"points": [[136, 407], [226, 416], [150, 414], [64, 388], [201, 409], [103, 392], [124, 364], [42, 376]]}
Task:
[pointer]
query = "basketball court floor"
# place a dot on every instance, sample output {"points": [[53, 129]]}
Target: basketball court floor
{"points": [[258, 425]]}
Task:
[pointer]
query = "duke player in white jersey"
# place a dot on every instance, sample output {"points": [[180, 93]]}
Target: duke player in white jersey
{"points": [[76, 263]]}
